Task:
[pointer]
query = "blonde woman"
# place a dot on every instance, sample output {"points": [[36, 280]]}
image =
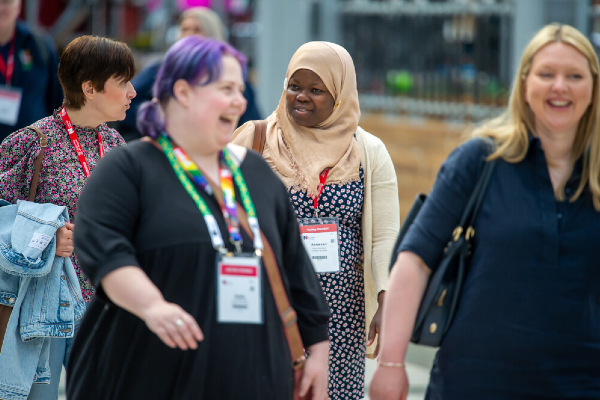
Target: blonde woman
{"points": [[194, 21], [202, 21], [527, 324]]}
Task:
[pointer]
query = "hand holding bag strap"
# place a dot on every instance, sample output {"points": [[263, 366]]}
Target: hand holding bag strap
{"points": [[38, 163], [260, 135]]}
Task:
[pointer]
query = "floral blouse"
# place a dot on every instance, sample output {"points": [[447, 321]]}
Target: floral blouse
{"points": [[62, 177]]}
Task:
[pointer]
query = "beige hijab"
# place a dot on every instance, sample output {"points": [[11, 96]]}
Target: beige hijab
{"points": [[299, 154]]}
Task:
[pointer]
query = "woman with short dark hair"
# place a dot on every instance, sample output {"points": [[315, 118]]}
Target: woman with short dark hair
{"points": [[94, 73], [97, 60]]}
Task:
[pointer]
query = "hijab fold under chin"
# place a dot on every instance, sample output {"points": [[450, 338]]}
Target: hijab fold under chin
{"points": [[299, 154]]}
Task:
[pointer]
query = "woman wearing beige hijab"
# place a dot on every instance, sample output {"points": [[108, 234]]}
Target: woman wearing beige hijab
{"points": [[342, 184]]}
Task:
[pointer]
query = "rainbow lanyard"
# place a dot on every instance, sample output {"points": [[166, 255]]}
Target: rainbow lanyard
{"points": [[228, 171]]}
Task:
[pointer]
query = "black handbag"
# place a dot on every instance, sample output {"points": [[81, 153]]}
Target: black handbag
{"points": [[442, 294]]}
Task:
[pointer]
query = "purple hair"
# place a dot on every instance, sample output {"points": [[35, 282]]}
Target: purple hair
{"points": [[196, 59]]}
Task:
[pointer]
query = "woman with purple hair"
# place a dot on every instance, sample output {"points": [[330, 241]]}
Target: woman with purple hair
{"points": [[185, 307]]}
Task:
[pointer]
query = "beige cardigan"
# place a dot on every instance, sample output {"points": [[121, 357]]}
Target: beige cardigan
{"points": [[381, 214]]}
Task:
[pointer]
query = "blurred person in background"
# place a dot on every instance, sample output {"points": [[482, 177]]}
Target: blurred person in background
{"points": [[529, 313], [157, 240], [193, 21], [340, 180], [95, 74], [29, 87]]}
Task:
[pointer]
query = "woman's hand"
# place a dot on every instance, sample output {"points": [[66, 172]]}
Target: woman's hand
{"points": [[375, 326], [315, 372], [130, 288], [173, 325], [389, 383], [64, 240]]}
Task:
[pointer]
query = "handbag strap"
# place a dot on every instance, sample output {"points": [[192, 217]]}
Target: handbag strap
{"points": [[260, 135], [289, 318], [38, 163], [474, 204]]}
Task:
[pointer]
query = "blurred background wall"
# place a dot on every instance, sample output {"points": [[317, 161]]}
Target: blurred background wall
{"points": [[427, 70]]}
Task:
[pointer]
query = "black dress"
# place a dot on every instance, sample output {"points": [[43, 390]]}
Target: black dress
{"points": [[528, 324], [134, 211], [344, 290]]}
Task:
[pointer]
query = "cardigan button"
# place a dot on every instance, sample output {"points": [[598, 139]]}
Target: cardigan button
{"points": [[433, 327]]}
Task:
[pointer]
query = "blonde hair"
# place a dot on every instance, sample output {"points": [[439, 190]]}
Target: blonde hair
{"points": [[209, 21], [510, 130]]}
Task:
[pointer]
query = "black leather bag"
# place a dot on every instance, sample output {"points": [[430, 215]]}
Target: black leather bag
{"points": [[442, 294]]}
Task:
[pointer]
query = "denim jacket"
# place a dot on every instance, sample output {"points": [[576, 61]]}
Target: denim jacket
{"points": [[42, 289]]}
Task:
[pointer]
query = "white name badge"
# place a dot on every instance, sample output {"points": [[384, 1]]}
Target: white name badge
{"points": [[10, 103], [239, 294], [320, 239]]}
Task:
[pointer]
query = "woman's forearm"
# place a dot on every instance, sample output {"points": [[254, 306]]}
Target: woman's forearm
{"points": [[405, 289], [130, 288]]}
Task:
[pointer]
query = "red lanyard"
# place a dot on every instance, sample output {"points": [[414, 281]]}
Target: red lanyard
{"points": [[7, 67], [322, 179], [77, 145]]}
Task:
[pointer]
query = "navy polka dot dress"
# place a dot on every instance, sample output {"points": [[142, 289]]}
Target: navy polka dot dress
{"points": [[344, 290]]}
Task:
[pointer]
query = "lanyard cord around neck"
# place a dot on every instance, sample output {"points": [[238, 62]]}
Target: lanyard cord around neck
{"points": [[322, 179], [8, 67], [77, 144], [185, 164]]}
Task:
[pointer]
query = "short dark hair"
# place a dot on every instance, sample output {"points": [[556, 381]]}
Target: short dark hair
{"points": [[95, 59]]}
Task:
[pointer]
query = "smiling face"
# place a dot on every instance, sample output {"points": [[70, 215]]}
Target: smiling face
{"points": [[308, 101], [558, 88], [217, 107]]}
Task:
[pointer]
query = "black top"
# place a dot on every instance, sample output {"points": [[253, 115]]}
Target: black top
{"points": [[528, 325], [134, 211]]}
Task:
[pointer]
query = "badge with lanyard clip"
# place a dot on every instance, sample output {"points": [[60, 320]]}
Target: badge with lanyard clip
{"points": [[320, 236], [239, 291], [239, 283]]}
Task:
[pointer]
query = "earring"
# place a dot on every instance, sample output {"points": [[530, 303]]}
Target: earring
{"points": [[338, 104]]}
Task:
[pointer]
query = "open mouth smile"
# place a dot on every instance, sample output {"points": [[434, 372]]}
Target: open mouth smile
{"points": [[559, 103]]}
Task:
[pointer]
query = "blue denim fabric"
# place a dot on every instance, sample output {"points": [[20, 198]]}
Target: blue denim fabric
{"points": [[59, 355], [43, 290]]}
